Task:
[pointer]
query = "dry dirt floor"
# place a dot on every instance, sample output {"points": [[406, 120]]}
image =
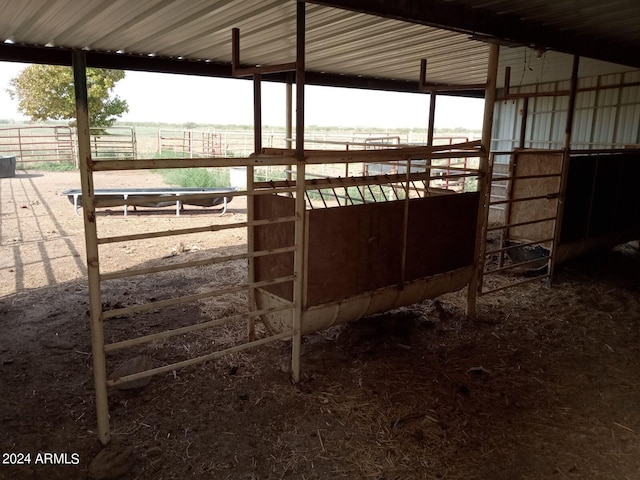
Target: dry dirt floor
{"points": [[543, 384]]}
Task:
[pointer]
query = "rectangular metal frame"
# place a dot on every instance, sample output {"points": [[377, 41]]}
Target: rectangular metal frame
{"points": [[404, 186]]}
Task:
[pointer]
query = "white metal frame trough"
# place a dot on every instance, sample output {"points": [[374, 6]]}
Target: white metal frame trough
{"points": [[124, 196]]}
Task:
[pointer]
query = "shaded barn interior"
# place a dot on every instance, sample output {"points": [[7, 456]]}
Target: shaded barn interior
{"points": [[310, 269], [602, 205], [601, 208]]}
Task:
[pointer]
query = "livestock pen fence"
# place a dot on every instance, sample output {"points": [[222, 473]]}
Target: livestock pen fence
{"points": [[550, 206], [280, 293], [57, 144], [38, 144]]}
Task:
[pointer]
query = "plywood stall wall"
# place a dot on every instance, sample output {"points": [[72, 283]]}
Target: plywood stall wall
{"points": [[541, 194], [364, 248], [601, 205]]}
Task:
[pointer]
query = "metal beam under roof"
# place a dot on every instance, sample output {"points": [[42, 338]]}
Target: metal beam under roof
{"points": [[363, 44], [595, 29]]}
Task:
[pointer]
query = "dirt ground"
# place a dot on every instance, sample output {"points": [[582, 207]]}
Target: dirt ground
{"points": [[543, 384]]}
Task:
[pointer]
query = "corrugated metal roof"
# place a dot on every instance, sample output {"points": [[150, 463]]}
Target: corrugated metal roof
{"points": [[339, 41], [610, 20]]}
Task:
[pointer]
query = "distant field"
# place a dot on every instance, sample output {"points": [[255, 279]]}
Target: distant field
{"points": [[237, 140]]}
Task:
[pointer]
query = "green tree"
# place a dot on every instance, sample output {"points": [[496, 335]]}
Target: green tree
{"points": [[45, 92]]}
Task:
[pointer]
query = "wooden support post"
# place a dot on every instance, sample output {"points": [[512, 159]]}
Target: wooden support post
{"points": [[405, 225], [300, 265], [507, 82], [257, 113], [91, 243], [483, 188], [565, 166], [523, 123], [235, 50], [432, 118], [504, 234], [289, 123], [257, 146], [431, 128], [300, 79]]}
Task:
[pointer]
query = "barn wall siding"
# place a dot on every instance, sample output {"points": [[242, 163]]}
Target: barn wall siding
{"points": [[607, 118]]}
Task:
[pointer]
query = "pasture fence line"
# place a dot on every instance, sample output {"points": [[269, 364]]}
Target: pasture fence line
{"points": [[38, 144], [57, 143]]}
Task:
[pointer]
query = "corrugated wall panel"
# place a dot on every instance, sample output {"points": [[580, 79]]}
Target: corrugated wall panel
{"points": [[507, 115], [605, 118], [628, 125], [559, 121]]}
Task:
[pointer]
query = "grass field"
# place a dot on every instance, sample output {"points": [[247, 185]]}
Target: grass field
{"points": [[237, 140], [160, 140]]}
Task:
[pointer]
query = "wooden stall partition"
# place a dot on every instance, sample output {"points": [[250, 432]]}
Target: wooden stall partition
{"points": [[353, 250], [534, 190], [441, 234], [355, 256], [272, 236]]}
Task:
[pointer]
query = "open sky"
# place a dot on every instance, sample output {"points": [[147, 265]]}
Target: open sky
{"points": [[154, 97]]}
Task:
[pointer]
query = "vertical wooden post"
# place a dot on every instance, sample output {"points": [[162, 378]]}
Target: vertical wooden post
{"points": [[523, 123], [300, 78], [257, 113], [483, 187], [431, 128], [432, 118], [257, 147], [504, 233], [565, 166], [405, 225], [289, 123], [91, 243], [299, 254]]}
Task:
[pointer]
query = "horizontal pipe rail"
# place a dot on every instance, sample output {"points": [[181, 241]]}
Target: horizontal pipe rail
{"points": [[370, 156], [160, 163], [524, 177], [521, 224], [117, 312], [514, 265], [514, 284], [549, 196], [518, 245], [200, 359], [195, 263], [410, 150], [111, 347], [470, 149], [103, 202], [187, 231], [340, 182]]}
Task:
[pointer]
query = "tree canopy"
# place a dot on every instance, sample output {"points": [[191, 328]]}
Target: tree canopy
{"points": [[45, 92]]}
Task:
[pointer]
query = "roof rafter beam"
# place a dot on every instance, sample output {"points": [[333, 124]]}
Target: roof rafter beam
{"points": [[124, 61]]}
